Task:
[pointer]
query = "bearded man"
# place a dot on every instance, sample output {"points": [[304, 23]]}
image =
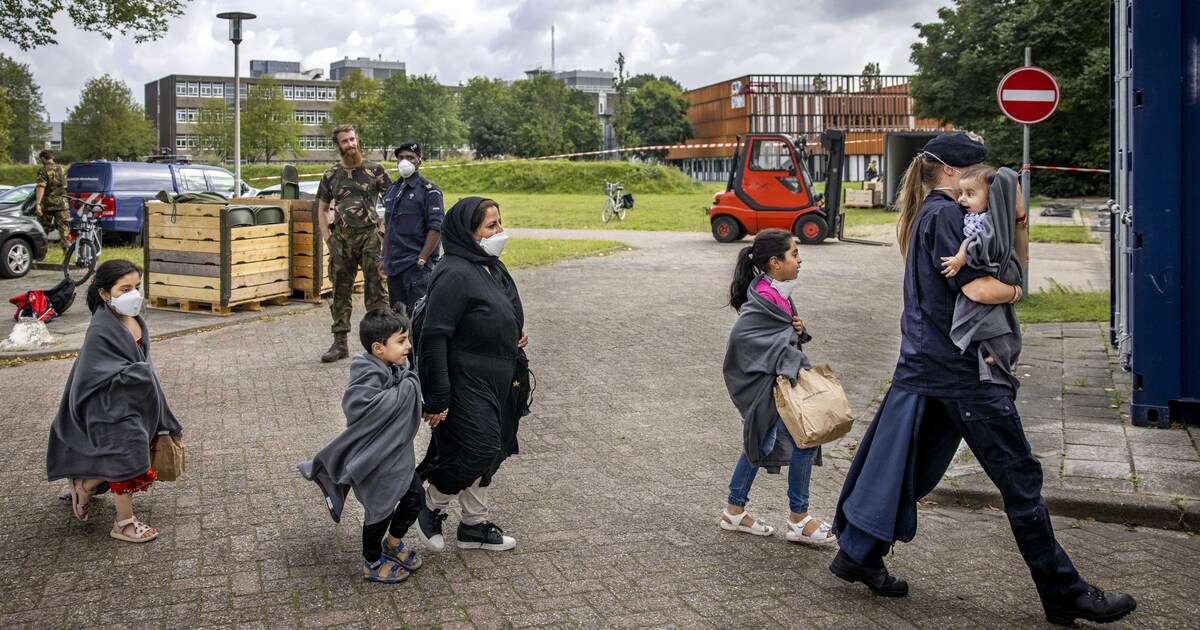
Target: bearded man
{"points": [[353, 233]]}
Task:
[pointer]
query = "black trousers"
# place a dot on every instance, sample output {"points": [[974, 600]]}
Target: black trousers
{"points": [[402, 519], [993, 433], [408, 286]]}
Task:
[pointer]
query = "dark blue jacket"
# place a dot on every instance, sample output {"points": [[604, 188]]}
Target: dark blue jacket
{"points": [[414, 207]]}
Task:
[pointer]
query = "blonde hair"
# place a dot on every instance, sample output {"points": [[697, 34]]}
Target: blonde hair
{"points": [[919, 179]]}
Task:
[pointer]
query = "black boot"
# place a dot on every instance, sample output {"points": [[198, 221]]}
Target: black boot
{"points": [[1094, 605], [878, 580], [338, 350]]}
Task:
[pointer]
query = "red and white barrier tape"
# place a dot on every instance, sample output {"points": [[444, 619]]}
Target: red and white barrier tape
{"points": [[1065, 168]]}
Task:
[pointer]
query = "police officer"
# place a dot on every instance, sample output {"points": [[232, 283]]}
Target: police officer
{"points": [[50, 200], [414, 228], [936, 400], [352, 187]]}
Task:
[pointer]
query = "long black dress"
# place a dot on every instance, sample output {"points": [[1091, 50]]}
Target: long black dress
{"points": [[469, 361]]}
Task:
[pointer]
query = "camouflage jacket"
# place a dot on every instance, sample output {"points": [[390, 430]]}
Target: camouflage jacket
{"points": [[54, 197], [353, 193]]}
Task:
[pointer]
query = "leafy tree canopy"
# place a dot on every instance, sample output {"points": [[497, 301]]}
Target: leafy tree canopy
{"points": [[658, 115], [107, 123], [29, 23], [269, 127], [554, 119], [360, 103], [421, 109], [214, 128], [26, 127], [488, 110], [960, 62]]}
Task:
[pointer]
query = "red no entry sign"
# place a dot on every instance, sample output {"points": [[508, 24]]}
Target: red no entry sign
{"points": [[1028, 95]]}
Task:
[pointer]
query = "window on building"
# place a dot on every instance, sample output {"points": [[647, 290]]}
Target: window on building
{"points": [[287, 92], [205, 90], [218, 90], [193, 89], [181, 114], [311, 93], [181, 89], [181, 141], [311, 118]]}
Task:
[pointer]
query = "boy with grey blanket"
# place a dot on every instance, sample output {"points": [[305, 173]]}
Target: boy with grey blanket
{"points": [[374, 454], [989, 197]]}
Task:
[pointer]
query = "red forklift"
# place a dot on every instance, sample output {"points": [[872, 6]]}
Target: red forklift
{"points": [[770, 187]]}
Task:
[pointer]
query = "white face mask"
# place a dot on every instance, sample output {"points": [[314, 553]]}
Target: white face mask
{"points": [[406, 168], [128, 304], [784, 287], [494, 244]]}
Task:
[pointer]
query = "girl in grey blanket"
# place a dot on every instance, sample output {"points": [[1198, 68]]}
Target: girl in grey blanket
{"points": [[112, 406], [374, 454], [765, 342]]}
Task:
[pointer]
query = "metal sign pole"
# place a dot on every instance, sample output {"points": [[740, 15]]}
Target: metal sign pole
{"points": [[1025, 181]]}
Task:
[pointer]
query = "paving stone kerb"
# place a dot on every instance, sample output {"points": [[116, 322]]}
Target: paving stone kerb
{"points": [[614, 497]]}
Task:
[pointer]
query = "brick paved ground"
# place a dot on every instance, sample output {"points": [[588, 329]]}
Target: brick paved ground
{"points": [[614, 499]]}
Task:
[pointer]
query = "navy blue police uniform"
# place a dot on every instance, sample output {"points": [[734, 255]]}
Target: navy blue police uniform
{"points": [[414, 208]]}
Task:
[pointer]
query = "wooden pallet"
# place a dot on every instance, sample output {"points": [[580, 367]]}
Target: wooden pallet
{"points": [[210, 308]]}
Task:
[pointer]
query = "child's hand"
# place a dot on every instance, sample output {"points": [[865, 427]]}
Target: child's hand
{"points": [[797, 325], [952, 265], [435, 419]]}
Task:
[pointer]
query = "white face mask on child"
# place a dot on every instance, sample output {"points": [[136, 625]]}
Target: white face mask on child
{"points": [[128, 304], [784, 287]]}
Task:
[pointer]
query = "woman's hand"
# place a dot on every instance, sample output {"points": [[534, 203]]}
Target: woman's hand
{"points": [[524, 340], [435, 419], [797, 324]]}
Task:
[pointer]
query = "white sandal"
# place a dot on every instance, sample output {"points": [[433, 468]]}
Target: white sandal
{"points": [[139, 531], [820, 536], [734, 524]]}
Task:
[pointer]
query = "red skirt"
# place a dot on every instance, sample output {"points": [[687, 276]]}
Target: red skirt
{"points": [[139, 483]]}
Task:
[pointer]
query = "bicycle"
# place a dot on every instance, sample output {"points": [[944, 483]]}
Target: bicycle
{"points": [[83, 253], [616, 204]]}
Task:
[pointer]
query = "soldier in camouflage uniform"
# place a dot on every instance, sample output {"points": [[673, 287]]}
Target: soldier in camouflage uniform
{"points": [[51, 197], [352, 187]]}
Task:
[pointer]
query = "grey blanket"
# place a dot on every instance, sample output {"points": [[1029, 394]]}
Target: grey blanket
{"points": [[762, 345], [994, 326], [374, 454], [111, 407]]}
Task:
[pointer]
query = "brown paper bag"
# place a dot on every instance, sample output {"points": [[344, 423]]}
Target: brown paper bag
{"points": [[816, 409], [166, 457]]}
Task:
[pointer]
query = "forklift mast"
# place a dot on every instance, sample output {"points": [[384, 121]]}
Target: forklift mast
{"points": [[834, 142]]}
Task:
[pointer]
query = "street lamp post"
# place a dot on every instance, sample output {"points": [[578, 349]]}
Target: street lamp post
{"points": [[235, 35]]}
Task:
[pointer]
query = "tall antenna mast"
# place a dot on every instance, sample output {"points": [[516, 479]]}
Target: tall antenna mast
{"points": [[551, 47]]}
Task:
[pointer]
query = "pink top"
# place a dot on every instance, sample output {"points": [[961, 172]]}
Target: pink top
{"points": [[765, 289]]}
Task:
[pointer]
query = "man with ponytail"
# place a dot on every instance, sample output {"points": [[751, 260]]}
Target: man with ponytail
{"points": [[936, 400]]}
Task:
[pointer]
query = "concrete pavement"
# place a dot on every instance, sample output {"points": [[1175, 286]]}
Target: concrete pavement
{"points": [[614, 498]]}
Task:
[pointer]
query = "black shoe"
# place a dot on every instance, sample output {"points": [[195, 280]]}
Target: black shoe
{"points": [[484, 536], [878, 580], [429, 528], [1094, 605]]}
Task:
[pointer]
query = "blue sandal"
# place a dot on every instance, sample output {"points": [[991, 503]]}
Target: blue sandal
{"points": [[384, 571], [404, 556]]}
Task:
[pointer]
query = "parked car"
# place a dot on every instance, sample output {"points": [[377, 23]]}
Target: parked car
{"points": [[22, 241], [121, 187], [16, 195], [308, 190]]}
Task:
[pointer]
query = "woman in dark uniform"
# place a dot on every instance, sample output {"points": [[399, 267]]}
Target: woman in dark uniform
{"points": [[936, 399], [474, 375]]}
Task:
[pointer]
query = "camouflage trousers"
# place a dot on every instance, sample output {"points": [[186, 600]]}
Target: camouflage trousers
{"points": [[350, 249], [56, 220]]}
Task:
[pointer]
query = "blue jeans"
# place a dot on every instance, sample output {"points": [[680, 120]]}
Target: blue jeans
{"points": [[799, 472]]}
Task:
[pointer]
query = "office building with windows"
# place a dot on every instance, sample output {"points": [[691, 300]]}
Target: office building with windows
{"points": [[173, 104]]}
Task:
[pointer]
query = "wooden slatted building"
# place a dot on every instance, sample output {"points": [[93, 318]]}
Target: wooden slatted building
{"points": [[867, 108]]}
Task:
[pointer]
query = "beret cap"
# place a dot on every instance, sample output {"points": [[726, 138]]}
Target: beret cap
{"points": [[408, 145]]}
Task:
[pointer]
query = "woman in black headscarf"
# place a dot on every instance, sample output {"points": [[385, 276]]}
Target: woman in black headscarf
{"points": [[474, 375]]}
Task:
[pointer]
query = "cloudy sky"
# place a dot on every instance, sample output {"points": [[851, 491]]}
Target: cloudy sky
{"points": [[698, 42]]}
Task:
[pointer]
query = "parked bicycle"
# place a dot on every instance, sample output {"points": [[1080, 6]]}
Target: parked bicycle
{"points": [[83, 251], [617, 203]]}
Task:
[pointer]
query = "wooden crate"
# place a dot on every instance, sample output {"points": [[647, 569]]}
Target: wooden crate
{"points": [[310, 256], [858, 198], [196, 262]]}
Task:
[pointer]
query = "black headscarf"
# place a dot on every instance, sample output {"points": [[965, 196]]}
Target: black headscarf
{"points": [[458, 239]]}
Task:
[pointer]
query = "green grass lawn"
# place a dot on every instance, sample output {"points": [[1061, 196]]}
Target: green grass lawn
{"points": [[676, 213], [1060, 234], [108, 252], [1064, 304], [527, 253]]}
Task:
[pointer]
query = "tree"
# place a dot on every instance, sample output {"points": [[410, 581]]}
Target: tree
{"points": [[488, 109], [963, 57], [30, 24], [870, 81], [27, 128], [658, 115], [269, 126], [214, 128], [555, 118], [6, 118], [419, 108], [107, 123], [360, 103], [637, 81], [625, 136]]}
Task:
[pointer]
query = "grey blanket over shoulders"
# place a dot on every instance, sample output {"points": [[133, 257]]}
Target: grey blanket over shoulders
{"points": [[111, 407], [762, 345], [374, 454], [993, 326]]}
